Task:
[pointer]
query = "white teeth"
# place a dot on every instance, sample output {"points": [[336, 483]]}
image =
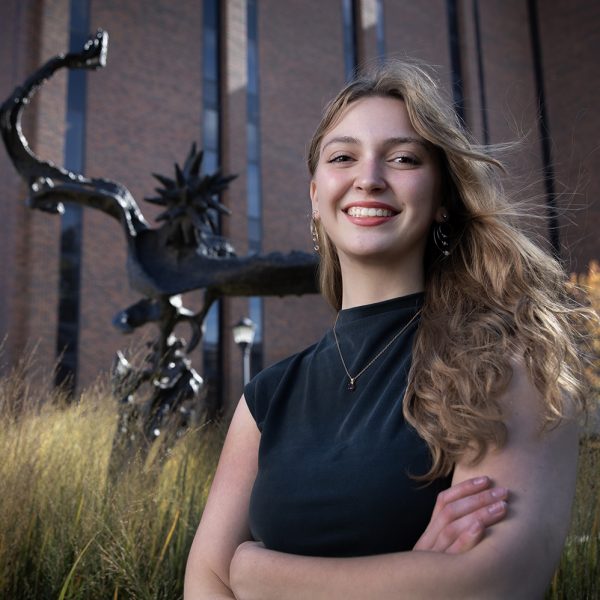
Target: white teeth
{"points": [[361, 211]]}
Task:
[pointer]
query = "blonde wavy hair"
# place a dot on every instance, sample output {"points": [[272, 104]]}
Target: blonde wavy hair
{"points": [[496, 297]]}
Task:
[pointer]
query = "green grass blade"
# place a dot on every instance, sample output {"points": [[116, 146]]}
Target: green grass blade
{"points": [[65, 585]]}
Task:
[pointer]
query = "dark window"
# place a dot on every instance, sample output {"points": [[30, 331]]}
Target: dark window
{"points": [[254, 183], [71, 222], [480, 74], [380, 29], [212, 369], [455, 58], [349, 21]]}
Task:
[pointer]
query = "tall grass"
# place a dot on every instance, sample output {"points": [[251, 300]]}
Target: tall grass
{"points": [[578, 574], [65, 531], [68, 533]]}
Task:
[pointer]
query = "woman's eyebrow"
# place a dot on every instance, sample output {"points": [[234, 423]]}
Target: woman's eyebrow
{"points": [[344, 139], [393, 141], [398, 141]]}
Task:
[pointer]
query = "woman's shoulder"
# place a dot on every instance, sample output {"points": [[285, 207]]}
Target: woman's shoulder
{"points": [[274, 373], [264, 385]]}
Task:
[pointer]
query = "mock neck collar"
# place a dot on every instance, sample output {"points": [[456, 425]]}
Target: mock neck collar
{"points": [[410, 303]]}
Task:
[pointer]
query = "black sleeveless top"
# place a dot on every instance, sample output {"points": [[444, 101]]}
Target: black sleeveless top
{"points": [[334, 465]]}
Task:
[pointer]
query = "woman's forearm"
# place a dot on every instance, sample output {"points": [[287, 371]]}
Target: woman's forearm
{"points": [[459, 522], [259, 574]]}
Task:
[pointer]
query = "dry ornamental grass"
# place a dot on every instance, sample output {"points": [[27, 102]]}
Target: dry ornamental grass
{"points": [[66, 532]]}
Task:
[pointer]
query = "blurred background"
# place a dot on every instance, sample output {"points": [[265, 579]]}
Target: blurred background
{"points": [[247, 80]]}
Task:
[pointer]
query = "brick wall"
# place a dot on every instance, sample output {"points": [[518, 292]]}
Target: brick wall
{"points": [[293, 93], [29, 241], [570, 36], [144, 110]]}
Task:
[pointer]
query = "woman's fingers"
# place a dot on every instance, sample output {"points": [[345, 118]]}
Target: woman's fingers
{"points": [[467, 531], [461, 490], [467, 539], [468, 505], [461, 515], [456, 492]]}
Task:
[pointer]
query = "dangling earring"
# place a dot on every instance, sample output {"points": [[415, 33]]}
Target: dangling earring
{"points": [[441, 236], [315, 232]]}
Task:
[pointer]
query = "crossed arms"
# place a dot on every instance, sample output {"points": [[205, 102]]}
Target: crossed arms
{"points": [[515, 558]]}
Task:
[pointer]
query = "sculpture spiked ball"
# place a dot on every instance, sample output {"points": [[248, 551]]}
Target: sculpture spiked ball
{"points": [[193, 208]]}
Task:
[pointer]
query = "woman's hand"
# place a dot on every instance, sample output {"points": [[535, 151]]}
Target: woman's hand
{"points": [[461, 515]]}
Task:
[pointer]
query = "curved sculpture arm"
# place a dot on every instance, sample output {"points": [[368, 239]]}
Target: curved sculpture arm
{"points": [[29, 166], [48, 182], [112, 198]]}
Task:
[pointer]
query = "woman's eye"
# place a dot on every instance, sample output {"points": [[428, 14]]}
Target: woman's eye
{"points": [[340, 158], [403, 159]]}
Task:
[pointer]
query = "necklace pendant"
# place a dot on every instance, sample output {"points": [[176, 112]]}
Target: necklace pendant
{"points": [[351, 385]]}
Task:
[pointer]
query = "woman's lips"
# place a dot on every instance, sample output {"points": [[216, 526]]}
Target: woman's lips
{"points": [[363, 211], [369, 215]]}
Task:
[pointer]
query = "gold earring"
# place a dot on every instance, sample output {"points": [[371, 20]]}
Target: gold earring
{"points": [[315, 232], [442, 236]]}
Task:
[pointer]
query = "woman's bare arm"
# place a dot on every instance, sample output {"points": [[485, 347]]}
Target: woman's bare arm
{"points": [[514, 561], [224, 523]]}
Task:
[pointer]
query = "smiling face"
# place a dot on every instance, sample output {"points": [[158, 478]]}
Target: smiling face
{"points": [[376, 187]]}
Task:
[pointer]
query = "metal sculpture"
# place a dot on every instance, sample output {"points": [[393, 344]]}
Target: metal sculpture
{"points": [[184, 253]]}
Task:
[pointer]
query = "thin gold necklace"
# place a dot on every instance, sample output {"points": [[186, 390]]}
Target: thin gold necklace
{"points": [[352, 382]]}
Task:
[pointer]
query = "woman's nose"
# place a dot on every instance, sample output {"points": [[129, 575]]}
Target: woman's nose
{"points": [[369, 177]]}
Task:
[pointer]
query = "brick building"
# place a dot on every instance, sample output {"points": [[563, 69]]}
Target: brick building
{"points": [[247, 79]]}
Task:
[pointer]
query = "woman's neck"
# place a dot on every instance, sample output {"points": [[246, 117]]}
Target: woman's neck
{"points": [[370, 283]]}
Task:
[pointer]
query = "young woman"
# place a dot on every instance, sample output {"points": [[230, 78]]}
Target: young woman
{"points": [[451, 366]]}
